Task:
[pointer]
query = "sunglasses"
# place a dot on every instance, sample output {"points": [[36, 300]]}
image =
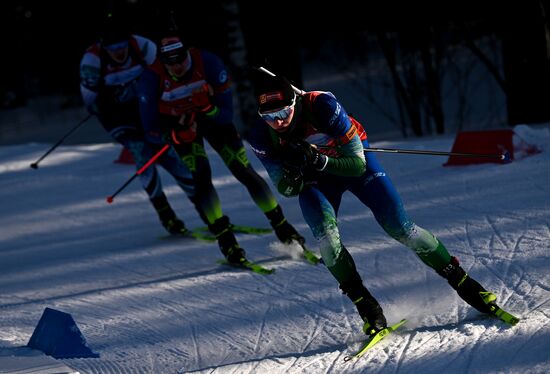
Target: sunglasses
{"points": [[279, 114], [173, 59], [116, 46]]}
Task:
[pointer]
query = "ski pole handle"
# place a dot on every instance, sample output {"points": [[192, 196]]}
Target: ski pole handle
{"points": [[141, 170], [34, 165]]}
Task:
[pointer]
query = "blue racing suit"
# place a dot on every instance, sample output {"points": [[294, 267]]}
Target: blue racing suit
{"points": [[320, 120]]}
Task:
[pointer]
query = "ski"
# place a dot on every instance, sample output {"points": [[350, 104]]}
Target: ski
{"points": [[248, 265], [203, 233], [504, 315], [374, 340], [243, 229], [191, 234], [497, 311], [309, 256]]}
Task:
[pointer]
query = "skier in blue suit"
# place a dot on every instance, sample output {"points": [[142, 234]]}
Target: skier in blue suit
{"points": [[311, 148]]}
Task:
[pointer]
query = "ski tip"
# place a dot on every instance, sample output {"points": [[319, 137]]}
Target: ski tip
{"points": [[374, 339], [311, 257]]}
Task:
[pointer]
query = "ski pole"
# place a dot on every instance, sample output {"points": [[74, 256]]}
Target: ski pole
{"points": [[34, 165], [296, 89], [141, 170], [503, 157]]}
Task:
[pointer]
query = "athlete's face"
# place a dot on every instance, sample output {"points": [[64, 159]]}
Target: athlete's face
{"points": [[118, 51], [278, 122], [178, 68], [279, 119]]}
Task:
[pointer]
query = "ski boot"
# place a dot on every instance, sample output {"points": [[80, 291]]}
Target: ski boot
{"points": [[370, 311], [167, 216], [284, 231], [227, 242], [474, 293]]}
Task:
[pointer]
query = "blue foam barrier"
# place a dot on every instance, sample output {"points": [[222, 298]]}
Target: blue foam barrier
{"points": [[57, 335]]}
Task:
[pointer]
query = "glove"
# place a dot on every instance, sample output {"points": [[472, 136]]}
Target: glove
{"points": [[202, 100], [304, 155], [292, 181], [186, 132]]}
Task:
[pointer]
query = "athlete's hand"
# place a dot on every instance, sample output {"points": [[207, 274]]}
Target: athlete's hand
{"points": [[202, 100], [186, 132], [301, 153], [292, 181]]}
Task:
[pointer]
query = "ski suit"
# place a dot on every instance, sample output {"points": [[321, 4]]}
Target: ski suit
{"points": [[322, 121], [109, 90], [164, 99]]}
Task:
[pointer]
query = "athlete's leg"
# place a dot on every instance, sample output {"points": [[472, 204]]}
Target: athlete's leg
{"points": [[377, 192], [320, 215], [227, 142]]}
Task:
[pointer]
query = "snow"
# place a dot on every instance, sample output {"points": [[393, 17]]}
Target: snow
{"points": [[148, 304]]}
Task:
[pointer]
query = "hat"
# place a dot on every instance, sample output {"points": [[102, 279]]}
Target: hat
{"points": [[113, 29], [272, 92], [172, 50]]}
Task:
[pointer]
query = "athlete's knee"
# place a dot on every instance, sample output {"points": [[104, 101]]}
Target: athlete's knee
{"points": [[402, 231], [416, 238], [330, 246], [234, 158]]}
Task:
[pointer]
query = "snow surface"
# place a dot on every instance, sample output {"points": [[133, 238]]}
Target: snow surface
{"points": [[148, 304]]}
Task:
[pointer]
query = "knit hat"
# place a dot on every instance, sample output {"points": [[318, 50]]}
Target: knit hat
{"points": [[272, 92]]}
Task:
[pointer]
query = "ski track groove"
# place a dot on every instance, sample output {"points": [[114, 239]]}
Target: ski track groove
{"points": [[198, 358], [253, 367], [529, 338], [282, 289], [505, 293], [471, 351], [339, 358], [512, 262], [491, 246], [293, 362], [492, 254], [301, 299], [312, 333], [177, 310], [109, 367], [152, 361], [223, 337], [457, 357], [261, 330], [402, 355]]}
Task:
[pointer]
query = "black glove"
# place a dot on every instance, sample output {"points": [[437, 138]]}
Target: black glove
{"points": [[292, 181], [300, 153]]}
